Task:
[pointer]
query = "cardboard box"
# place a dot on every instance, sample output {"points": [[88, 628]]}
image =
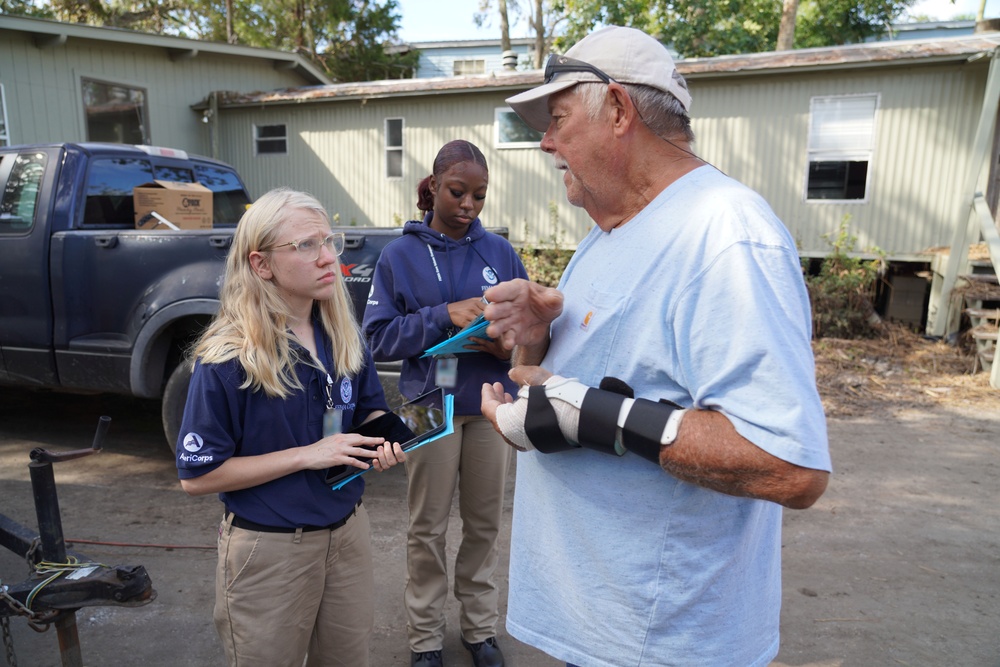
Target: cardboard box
{"points": [[184, 205]]}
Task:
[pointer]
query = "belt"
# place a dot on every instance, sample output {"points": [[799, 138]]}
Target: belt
{"points": [[247, 524]]}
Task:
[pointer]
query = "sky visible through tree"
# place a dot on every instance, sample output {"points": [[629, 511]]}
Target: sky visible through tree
{"points": [[452, 19]]}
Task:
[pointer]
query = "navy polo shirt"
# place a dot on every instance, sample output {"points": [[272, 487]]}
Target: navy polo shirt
{"points": [[221, 420]]}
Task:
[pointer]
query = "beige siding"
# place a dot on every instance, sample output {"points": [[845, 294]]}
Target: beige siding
{"points": [[336, 151], [755, 128], [44, 101]]}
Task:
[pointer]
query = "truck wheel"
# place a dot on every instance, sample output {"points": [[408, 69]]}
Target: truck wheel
{"points": [[174, 398]]}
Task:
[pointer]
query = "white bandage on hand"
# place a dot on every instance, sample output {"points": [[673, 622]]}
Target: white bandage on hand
{"points": [[510, 416]]}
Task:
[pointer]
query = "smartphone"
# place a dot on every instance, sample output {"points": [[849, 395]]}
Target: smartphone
{"points": [[409, 424]]}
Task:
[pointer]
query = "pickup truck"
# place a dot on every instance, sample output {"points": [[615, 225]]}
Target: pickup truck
{"points": [[88, 302]]}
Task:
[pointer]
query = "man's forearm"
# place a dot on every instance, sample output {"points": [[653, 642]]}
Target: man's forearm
{"points": [[710, 453]]}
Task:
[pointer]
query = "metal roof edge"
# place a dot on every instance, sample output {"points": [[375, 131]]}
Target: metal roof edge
{"points": [[872, 54], [365, 90], [457, 43], [868, 54]]}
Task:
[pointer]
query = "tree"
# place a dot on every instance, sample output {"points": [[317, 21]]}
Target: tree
{"points": [[717, 27], [543, 18], [845, 21], [786, 31], [583, 16], [346, 38]]}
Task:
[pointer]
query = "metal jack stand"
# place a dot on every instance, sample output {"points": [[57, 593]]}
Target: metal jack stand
{"points": [[47, 597]]}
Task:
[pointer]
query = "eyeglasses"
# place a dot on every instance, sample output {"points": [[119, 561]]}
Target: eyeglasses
{"points": [[558, 64], [310, 248]]}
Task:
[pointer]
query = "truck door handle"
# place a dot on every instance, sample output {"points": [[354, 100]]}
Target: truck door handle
{"points": [[106, 241], [353, 242], [220, 241]]}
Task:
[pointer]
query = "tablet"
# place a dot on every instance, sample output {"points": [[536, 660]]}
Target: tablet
{"points": [[410, 424]]}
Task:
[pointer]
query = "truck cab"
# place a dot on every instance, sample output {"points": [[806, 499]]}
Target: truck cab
{"points": [[88, 302]]}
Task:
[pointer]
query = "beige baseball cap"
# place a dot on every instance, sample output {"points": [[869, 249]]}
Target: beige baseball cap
{"points": [[625, 55]]}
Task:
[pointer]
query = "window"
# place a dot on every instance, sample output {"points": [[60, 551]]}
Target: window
{"points": [[4, 127], [178, 174], [229, 199], [393, 147], [841, 142], [463, 67], [271, 139], [109, 190], [115, 112], [20, 195], [512, 132]]}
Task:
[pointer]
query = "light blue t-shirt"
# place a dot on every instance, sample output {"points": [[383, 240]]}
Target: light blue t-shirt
{"points": [[699, 299]]}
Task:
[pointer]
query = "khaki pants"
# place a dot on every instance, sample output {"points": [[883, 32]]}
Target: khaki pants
{"points": [[279, 595], [475, 459]]}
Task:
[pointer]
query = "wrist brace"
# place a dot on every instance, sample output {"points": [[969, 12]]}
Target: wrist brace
{"points": [[563, 414]]}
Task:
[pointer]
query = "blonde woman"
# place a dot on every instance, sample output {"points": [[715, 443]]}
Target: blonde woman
{"points": [[279, 374]]}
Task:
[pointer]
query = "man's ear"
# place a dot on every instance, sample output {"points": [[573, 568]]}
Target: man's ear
{"points": [[623, 111], [260, 265]]}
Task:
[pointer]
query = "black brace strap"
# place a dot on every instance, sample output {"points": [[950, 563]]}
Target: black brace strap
{"points": [[541, 424], [644, 428], [599, 420]]}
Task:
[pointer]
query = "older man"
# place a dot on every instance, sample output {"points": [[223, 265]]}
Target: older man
{"points": [[657, 542]]}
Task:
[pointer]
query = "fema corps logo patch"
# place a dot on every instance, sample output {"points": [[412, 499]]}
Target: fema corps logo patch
{"points": [[489, 275], [193, 442], [345, 390]]}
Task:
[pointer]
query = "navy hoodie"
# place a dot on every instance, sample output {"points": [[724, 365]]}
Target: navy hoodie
{"points": [[416, 277]]}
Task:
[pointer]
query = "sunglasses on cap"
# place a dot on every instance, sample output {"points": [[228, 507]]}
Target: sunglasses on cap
{"points": [[558, 64]]}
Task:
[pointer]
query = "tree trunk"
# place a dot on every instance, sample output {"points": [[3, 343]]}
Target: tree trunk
{"points": [[786, 33], [230, 35], [505, 27], [981, 14], [539, 35]]}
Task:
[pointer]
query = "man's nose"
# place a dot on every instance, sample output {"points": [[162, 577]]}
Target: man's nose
{"points": [[547, 144]]}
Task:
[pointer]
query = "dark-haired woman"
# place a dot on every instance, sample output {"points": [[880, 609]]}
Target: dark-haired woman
{"points": [[428, 285]]}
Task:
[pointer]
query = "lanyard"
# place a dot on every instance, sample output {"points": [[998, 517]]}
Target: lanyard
{"points": [[465, 271], [325, 360], [463, 276]]}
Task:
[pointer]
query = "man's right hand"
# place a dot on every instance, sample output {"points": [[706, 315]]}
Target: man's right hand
{"points": [[521, 311]]}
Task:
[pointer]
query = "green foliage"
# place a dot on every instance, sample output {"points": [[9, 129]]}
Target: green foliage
{"points": [[586, 15], [700, 28], [545, 264], [842, 293], [844, 21], [703, 28], [346, 38]]}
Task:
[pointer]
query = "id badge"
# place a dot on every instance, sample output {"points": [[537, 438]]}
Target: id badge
{"points": [[333, 422], [446, 372]]}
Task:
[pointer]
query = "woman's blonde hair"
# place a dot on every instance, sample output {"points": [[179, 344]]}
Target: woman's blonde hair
{"points": [[252, 322]]}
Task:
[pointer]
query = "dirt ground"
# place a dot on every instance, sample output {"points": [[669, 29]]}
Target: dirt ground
{"points": [[897, 564]]}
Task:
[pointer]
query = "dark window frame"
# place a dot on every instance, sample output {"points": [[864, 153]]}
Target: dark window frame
{"points": [[105, 119], [505, 122], [4, 119], [275, 144], [394, 148], [840, 148], [468, 66]]}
